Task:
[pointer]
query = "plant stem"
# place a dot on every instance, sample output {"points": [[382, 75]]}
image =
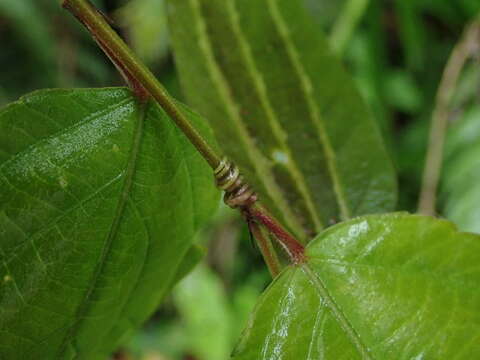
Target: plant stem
{"points": [[469, 43], [136, 72], [266, 248], [294, 249], [145, 84]]}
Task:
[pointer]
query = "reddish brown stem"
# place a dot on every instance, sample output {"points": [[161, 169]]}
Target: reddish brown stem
{"points": [[294, 249], [145, 84], [127, 75]]}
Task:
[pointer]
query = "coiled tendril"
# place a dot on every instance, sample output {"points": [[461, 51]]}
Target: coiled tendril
{"points": [[237, 192]]}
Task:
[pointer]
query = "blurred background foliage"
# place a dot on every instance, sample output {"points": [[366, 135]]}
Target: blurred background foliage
{"points": [[395, 49]]}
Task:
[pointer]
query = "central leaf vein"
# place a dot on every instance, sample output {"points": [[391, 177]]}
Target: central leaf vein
{"points": [[307, 87], [122, 202], [337, 312]]}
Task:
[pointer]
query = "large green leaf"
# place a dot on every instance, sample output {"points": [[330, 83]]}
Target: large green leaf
{"points": [[283, 108], [100, 199], [462, 171], [393, 286]]}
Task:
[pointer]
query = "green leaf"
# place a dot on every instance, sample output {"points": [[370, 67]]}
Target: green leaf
{"points": [[202, 303], [462, 170], [346, 24], [393, 286], [146, 24], [325, 12], [191, 259], [100, 199], [412, 32], [402, 92], [283, 108]]}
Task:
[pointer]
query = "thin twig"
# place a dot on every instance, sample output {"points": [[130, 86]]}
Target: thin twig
{"points": [[265, 246], [464, 49], [294, 249]]}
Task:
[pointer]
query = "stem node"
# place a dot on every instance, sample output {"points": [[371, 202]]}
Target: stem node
{"points": [[238, 194]]}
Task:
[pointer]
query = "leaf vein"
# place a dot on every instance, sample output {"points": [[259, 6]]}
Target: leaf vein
{"points": [[307, 87], [337, 312], [277, 130], [256, 157], [124, 196]]}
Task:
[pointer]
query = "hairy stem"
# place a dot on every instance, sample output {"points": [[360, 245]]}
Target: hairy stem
{"points": [[135, 71], [468, 44]]}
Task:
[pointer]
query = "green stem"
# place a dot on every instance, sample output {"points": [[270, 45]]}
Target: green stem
{"points": [[136, 73], [145, 84], [266, 247]]}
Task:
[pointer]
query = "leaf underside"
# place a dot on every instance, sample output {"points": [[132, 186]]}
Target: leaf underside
{"points": [[100, 198], [283, 108], [393, 286]]}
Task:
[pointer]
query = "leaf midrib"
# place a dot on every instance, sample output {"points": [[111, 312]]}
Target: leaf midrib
{"points": [[336, 311], [277, 129], [124, 195], [306, 86]]}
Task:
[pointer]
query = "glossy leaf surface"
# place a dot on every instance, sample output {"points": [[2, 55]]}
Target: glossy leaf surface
{"points": [[100, 199], [283, 108], [393, 286]]}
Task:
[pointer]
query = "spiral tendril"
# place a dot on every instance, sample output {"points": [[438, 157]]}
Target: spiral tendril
{"points": [[237, 192]]}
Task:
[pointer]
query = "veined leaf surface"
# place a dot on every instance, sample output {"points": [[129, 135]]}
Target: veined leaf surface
{"points": [[100, 199], [462, 171], [393, 286], [283, 108]]}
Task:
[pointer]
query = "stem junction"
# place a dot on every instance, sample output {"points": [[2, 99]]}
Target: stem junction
{"points": [[238, 194]]}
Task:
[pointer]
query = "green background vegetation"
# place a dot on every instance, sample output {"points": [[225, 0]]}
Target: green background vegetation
{"points": [[395, 50]]}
